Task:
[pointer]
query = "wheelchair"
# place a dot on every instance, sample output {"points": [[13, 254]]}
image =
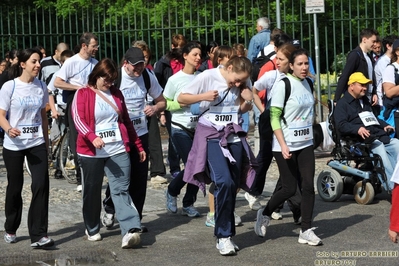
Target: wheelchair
{"points": [[354, 169]]}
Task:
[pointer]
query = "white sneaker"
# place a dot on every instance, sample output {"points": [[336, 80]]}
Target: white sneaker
{"points": [[96, 237], [225, 246], [309, 237], [253, 202], [276, 216], [261, 224], [108, 220], [158, 180], [237, 219], [79, 188], [131, 239]]}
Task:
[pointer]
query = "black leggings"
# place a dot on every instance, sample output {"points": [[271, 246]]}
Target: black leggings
{"points": [[302, 162]]}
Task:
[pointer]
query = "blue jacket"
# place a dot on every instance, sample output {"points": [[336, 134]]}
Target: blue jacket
{"points": [[257, 43], [195, 171], [348, 122]]}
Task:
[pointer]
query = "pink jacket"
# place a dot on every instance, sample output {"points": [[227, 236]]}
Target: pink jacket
{"points": [[82, 110]]}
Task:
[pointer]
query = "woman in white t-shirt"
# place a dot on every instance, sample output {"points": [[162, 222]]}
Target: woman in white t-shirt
{"points": [[293, 147], [219, 141], [24, 98], [105, 135], [267, 82], [183, 121]]}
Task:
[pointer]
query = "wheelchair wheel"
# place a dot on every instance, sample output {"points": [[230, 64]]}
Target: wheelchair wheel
{"points": [[367, 196], [330, 185]]}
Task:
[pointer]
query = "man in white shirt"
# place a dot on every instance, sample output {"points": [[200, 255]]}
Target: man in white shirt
{"points": [[72, 76]]}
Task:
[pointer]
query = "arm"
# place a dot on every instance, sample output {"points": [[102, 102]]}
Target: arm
{"points": [[172, 105], [257, 100], [251, 49], [187, 98], [391, 90], [79, 116], [151, 110], [60, 83], [54, 112], [5, 125], [275, 115], [246, 96]]}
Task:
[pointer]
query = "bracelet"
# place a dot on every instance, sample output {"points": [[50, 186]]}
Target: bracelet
{"points": [[8, 131], [249, 102], [162, 114]]}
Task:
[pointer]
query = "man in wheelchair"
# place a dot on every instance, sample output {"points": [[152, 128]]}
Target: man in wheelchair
{"points": [[354, 117]]}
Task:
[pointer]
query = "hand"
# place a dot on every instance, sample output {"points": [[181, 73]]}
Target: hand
{"points": [[162, 120], [286, 152], [150, 110], [247, 94], [210, 96], [54, 114], [14, 132], [98, 143], [363, 132], [393, 236], [374, 99], [389, 129], [142, 156]]}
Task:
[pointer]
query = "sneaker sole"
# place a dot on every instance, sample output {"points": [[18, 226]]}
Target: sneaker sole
{"points": [[190, 215], [252, 207], [133, 241], [229, 253], [209, 224], [256, 227]]}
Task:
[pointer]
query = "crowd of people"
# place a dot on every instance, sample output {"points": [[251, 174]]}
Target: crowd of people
{"points": [[202, 95]]}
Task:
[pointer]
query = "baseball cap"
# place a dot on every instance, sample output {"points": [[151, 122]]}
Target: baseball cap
{"points": [[296, 43], [358, 77], [395, 45], [134, 55]]}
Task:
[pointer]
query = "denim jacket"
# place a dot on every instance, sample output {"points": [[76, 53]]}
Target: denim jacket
{"points": [[257, 43]]}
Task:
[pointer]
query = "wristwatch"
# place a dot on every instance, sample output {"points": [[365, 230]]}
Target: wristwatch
{"points": [[249, 102]]}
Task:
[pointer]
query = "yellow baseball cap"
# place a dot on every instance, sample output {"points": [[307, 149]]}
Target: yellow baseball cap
{"points": [[358, 77]]}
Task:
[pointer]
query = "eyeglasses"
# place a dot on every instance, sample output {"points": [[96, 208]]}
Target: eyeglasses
{"points": [[107, 81]]}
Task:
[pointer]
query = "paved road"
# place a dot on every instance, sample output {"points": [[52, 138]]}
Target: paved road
{"points": [[352, 235]]}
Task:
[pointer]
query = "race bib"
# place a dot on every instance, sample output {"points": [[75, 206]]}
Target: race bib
{"points": [[30, 131], [223, 115], [191, 119], [138, 119], [368, 119], [109, 132], [301, 131]]}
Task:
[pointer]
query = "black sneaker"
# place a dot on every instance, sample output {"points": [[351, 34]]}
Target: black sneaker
{"points": [[43, 242], [58, 174]]}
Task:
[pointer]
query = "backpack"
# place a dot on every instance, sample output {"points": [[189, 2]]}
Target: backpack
{"points": [[259, 62], [146, 77], [264, 126]]}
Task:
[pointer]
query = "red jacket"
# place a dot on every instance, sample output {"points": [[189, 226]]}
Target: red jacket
{"points": [[83, 108]]}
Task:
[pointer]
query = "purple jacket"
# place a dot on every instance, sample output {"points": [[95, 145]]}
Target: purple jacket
{"points": [[195, 171]]}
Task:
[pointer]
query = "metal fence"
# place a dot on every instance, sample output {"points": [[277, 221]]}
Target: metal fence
{"points": [[227, 22]]}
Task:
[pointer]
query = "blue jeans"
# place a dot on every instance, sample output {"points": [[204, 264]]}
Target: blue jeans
{"points": [[183, 146], [117, 169], [226, 177], [389, 154]]}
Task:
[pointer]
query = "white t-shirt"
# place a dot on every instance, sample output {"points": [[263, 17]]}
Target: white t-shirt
{"points": [[389, 73], [212, 79], [172, 90], [267, 82], [267, 50], [76, 70], [24, 102], [379, 69], [298, 113], [51, 87], [134, 91], [107, 128]]}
